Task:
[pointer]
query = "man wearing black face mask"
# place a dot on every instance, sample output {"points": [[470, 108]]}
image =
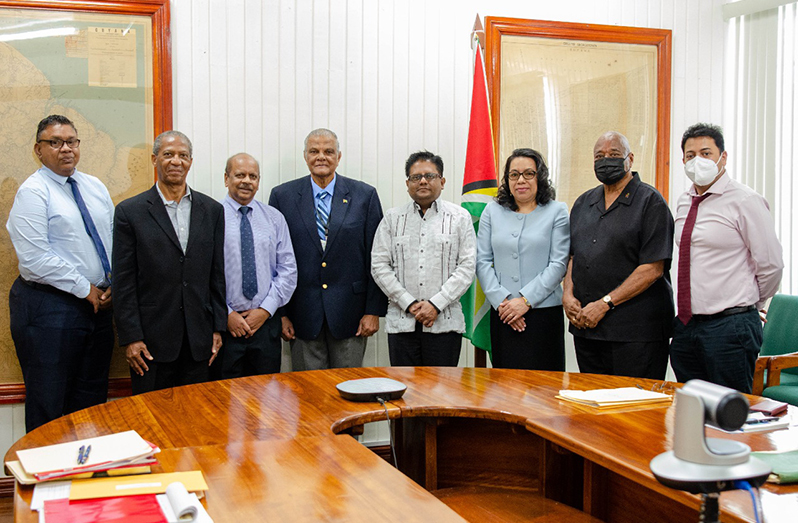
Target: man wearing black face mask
{"points": [[617, 291]]}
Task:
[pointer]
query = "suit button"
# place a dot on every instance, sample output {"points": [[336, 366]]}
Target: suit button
{"points": [[181, 259], [181, 308], [323, 264], [185, 284], [323, 285]]}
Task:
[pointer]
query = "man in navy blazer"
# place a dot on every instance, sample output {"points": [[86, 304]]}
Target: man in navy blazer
{"points": [[169, 289], [332, 220]]}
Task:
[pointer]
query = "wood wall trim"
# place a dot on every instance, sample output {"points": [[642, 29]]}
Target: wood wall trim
{"points": [[12, 393], [661, 38]]}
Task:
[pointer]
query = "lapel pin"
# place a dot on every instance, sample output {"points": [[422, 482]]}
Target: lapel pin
{"points": [[346, 201]]}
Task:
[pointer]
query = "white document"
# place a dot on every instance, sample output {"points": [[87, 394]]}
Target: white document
{"points": [[104, 449], [618, 396], [51, 490]]}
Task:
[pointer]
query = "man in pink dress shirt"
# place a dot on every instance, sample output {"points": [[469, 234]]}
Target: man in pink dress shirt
{"points": [[732, 261]]}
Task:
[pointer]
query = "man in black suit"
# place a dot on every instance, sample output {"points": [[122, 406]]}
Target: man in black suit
{"points": [[332, 220], [169, 292]]}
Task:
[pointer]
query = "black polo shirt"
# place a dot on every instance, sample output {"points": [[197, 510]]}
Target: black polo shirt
{"points": [[607, 245]]}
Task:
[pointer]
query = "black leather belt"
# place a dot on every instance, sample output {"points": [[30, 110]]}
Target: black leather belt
{"points": [[46, 288], [731, 311]]}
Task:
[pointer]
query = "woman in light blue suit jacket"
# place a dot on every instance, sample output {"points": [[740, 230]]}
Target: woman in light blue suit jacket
{"points": [[522, 253]]}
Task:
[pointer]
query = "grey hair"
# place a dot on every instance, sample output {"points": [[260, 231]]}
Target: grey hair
{"points": [[610, 135], [229, 164], [156, 145], [323, 132]]}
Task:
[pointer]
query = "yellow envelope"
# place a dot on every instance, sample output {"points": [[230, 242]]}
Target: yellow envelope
{"points": [[135, 485]]}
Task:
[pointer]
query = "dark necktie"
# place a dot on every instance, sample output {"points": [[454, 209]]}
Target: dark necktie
{"points": [[683, 299], [249, 275], [90, 228]]}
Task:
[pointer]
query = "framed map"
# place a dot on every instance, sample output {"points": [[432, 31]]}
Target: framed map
{"points": [[106, 66], [556, 87]]}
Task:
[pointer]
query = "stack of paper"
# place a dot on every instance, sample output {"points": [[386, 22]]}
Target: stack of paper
{"points": [[622, 397], [155, 498], [123, 453]]}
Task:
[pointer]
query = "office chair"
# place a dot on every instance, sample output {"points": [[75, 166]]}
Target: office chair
{"points": [[778, 358]]}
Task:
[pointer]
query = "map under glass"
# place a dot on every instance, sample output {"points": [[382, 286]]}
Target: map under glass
{"points": [[95, 69]]}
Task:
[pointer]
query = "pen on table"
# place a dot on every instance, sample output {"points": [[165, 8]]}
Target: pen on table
{"points": [[86, 455], [80, 454], [762, 420]]}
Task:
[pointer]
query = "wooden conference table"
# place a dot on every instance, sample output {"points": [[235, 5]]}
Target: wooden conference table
{"points": [[485, 442]]}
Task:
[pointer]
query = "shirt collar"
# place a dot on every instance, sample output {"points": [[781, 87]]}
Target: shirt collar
{"points": [[719, 187], [330, 186], [433, 207], [168, 202], [228, 200], [625, 198], [61, 180]]}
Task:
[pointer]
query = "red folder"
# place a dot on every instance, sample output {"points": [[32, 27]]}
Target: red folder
{"points": [[126, 509]]}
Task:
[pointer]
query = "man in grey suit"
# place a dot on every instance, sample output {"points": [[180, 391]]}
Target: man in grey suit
{"points": [[332, 220]]}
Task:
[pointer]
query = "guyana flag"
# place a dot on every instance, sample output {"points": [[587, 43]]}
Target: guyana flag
{"points": [[479, 188]]}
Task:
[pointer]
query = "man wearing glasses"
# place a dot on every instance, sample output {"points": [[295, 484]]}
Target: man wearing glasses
{"points": [[617, 289], [424, 257], [60, 225]]}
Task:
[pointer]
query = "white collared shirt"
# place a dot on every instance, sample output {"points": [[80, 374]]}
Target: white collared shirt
{"points": [[49, 235], [429, 258]]}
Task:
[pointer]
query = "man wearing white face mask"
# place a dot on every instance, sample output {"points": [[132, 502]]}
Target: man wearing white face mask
{"points": [[730, 263]]}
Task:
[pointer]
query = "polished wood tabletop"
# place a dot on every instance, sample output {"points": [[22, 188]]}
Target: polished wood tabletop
{"points": [[274, 444]]}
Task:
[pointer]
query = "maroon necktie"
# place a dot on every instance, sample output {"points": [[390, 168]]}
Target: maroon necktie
{"points": [[683, 290]]}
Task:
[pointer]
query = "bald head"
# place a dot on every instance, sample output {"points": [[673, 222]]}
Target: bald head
{"points": [[241, 156], [242, 178]]}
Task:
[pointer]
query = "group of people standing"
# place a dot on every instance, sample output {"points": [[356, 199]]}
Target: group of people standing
{"points": [[613, 256], [196, 281]]}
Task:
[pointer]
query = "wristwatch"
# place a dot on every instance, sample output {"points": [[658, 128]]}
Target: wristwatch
{"points": [[608, 300]]}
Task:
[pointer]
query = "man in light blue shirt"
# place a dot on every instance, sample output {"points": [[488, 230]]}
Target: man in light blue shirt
{"points": [[60, 225], [260, 273]]}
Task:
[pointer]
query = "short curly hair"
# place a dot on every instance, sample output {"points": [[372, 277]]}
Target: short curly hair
{"points": [[545, 193]]}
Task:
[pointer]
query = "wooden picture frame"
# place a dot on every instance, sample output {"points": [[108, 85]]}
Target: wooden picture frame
{"points": [[105, 64], [610, 70]]}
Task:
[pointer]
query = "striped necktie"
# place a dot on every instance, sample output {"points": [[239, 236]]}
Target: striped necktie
{"points": [[322, 215]]}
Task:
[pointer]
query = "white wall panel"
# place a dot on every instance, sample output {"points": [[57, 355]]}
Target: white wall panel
{"points": [[390, 77]]}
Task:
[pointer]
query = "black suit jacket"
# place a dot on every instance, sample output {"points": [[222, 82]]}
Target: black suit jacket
{"points": [[336, 283], [159, 292]]}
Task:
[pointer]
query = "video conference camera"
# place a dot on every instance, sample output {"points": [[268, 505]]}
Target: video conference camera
{"points": [[702, 465]]}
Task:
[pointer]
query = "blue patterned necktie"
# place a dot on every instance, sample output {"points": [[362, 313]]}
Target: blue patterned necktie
{"points": [[322, 216], [249, 275], [90, 228]]}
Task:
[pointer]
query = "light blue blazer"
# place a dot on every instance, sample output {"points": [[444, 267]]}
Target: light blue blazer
{"points": [[523, 254]]}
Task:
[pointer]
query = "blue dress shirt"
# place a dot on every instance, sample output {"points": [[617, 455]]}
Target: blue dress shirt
{"points": [[274, 257], [49, 236], [330, 190], [523, 254]]}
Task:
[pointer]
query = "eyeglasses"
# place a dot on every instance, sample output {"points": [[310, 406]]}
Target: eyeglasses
{"points": [[57, 143], [528, 174], [415, 178]]}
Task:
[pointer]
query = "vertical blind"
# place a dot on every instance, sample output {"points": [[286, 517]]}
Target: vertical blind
{"points": [[760, 104]]}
